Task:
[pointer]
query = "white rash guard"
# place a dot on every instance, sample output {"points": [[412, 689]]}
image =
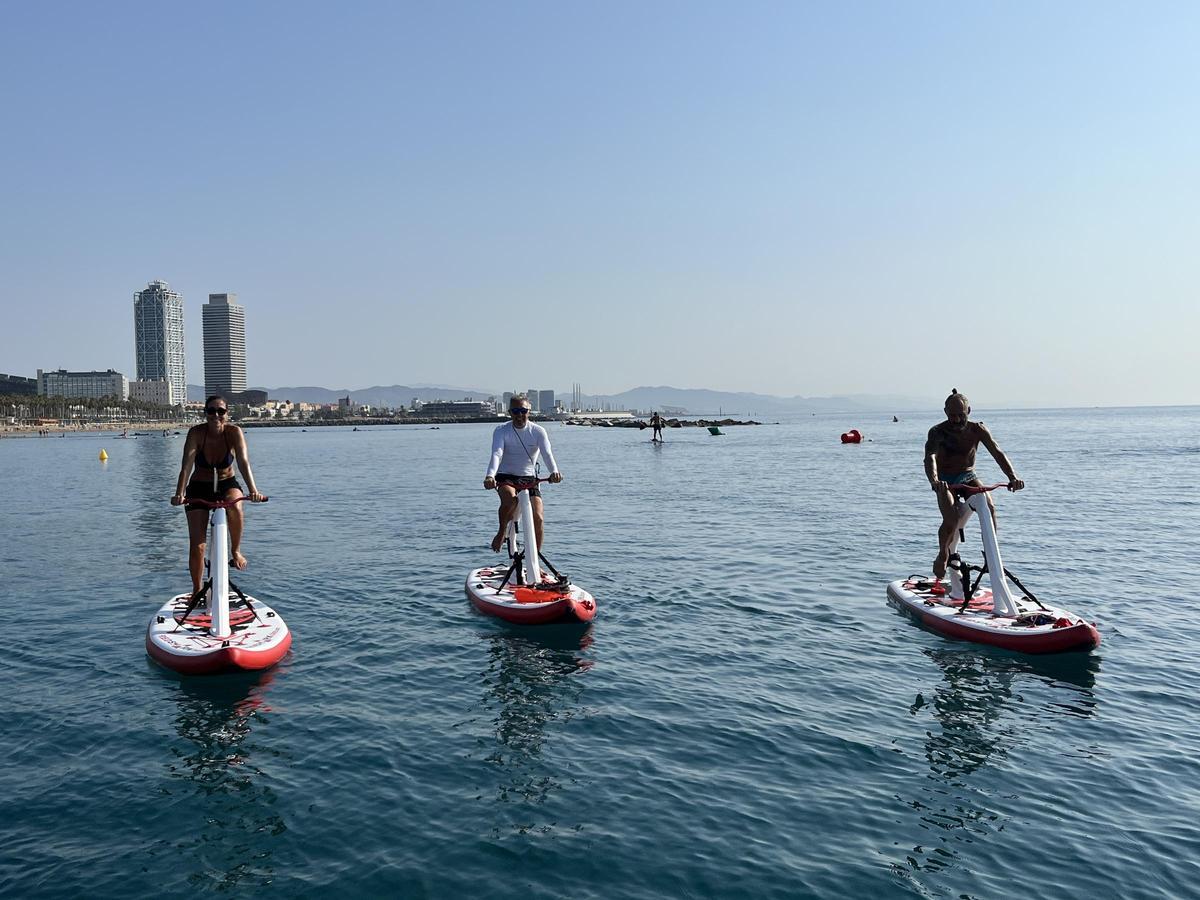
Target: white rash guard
{"points": [[515, 450]]}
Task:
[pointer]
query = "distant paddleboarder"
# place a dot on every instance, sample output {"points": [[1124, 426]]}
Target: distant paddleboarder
{"points": [[950, 459], [656, 422], [516, 449]]}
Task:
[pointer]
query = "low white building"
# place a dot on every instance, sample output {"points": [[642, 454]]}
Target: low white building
{"points": [[157, 391], [92, 385], [458, 408]]}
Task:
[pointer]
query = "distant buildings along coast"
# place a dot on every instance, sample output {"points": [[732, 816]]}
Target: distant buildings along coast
{"points": [[161, 373], [17, 384], [458, 409], [159, 356]]}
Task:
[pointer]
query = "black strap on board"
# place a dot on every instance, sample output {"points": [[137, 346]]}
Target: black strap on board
{"points": [[193, 603]]}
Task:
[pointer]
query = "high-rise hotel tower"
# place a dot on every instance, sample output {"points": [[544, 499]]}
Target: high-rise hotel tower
{"points": [[158, 338], [224, 345]]}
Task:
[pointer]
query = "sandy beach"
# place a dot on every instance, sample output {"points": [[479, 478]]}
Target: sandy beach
{"points": [[150, 429]]}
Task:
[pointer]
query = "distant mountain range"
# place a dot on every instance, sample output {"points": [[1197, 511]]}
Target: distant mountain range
{"points": [[699, 401], [390, 395], [696, 401]]}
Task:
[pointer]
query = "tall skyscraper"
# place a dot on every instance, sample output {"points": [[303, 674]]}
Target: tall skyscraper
{"points": [[545, 402], [224, 345], [158, 338]]}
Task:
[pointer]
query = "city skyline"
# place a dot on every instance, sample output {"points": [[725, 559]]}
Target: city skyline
{"points": [[812, 200]]}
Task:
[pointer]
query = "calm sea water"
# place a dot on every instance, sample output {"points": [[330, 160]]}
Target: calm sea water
{"points": [[745, 718]]}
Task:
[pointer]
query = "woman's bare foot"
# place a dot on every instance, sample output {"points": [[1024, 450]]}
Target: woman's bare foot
{"points": [[239, 561], [497, 542]]}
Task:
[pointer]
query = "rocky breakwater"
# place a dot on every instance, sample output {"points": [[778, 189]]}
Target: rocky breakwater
{"points": [[361, 422], [668, 423]]}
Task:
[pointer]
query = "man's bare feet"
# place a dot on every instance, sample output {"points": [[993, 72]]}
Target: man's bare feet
{"points": [[939, 564], [239, 561], [497, 542]]}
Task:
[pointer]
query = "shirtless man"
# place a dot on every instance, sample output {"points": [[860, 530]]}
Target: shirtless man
{"points": [[950, 459], [656, 422], [516, 447]]}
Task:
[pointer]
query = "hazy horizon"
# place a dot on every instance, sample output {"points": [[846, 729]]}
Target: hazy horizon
{"points": [[882, 402], [778, 199]]}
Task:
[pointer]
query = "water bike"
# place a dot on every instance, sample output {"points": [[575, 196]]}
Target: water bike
{"points": [[521, 592], [988, 616], [209, 632]]}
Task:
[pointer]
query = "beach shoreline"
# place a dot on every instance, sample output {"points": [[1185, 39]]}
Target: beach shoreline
{"points": [[142, 428]]}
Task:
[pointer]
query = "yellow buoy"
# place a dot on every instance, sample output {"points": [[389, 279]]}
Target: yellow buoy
{"points": [[103, 456]]}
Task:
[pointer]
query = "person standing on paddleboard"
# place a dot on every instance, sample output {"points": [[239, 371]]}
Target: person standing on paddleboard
{"points": [[656, 422], [516, 447], [208, 455], [950, 459]]}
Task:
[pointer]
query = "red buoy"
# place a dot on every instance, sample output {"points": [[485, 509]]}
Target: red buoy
{"points": [[852, 437]]}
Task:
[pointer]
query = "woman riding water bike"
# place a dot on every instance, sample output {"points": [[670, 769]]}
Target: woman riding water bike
{"points": [[207, 474]]}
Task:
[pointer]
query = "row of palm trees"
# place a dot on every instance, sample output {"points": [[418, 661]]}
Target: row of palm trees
{"points": [[27, 409]]}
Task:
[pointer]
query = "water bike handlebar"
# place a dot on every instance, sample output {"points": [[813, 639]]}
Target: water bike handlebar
{"points": [[523, 485], [221, 504], [969, 490]]}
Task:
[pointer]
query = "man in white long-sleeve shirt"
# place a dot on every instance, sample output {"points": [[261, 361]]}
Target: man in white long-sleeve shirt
{"points": [[516, 447]]}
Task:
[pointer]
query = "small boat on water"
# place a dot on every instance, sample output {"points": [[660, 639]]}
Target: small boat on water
{"points": [[521, 592], [960, 609], [183, 639], [208, 633], [546, 603]]}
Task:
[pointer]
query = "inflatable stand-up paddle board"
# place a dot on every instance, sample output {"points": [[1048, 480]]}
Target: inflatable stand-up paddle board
{"points": [[989, 616], [210, 632], [521, 592]]}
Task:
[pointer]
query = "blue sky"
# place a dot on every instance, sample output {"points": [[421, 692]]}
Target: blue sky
{"points": [[787, 198]]}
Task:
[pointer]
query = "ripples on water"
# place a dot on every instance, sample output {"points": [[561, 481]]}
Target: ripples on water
{"points": [[745, 718]]}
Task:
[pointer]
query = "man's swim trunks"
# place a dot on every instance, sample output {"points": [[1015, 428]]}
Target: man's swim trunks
{"points": [[961, 478]]}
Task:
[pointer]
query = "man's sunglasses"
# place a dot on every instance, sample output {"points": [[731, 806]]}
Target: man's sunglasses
{"points": [[518, 410], [215, 410]]}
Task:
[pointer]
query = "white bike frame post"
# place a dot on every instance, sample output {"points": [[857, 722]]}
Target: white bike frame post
{"points": [[218, 570], [530, 567], [1003, 603]]}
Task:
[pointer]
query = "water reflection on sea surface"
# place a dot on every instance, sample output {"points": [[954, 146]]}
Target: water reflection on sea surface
{"points": [[987, 709], [225, 809], [160, 528], [531, 682]]}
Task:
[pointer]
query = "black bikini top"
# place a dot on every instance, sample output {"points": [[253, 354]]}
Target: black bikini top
{"points": [[202, 458]]}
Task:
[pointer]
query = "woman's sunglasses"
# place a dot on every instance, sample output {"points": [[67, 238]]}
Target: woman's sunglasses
{"points": [[215, 410]]}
